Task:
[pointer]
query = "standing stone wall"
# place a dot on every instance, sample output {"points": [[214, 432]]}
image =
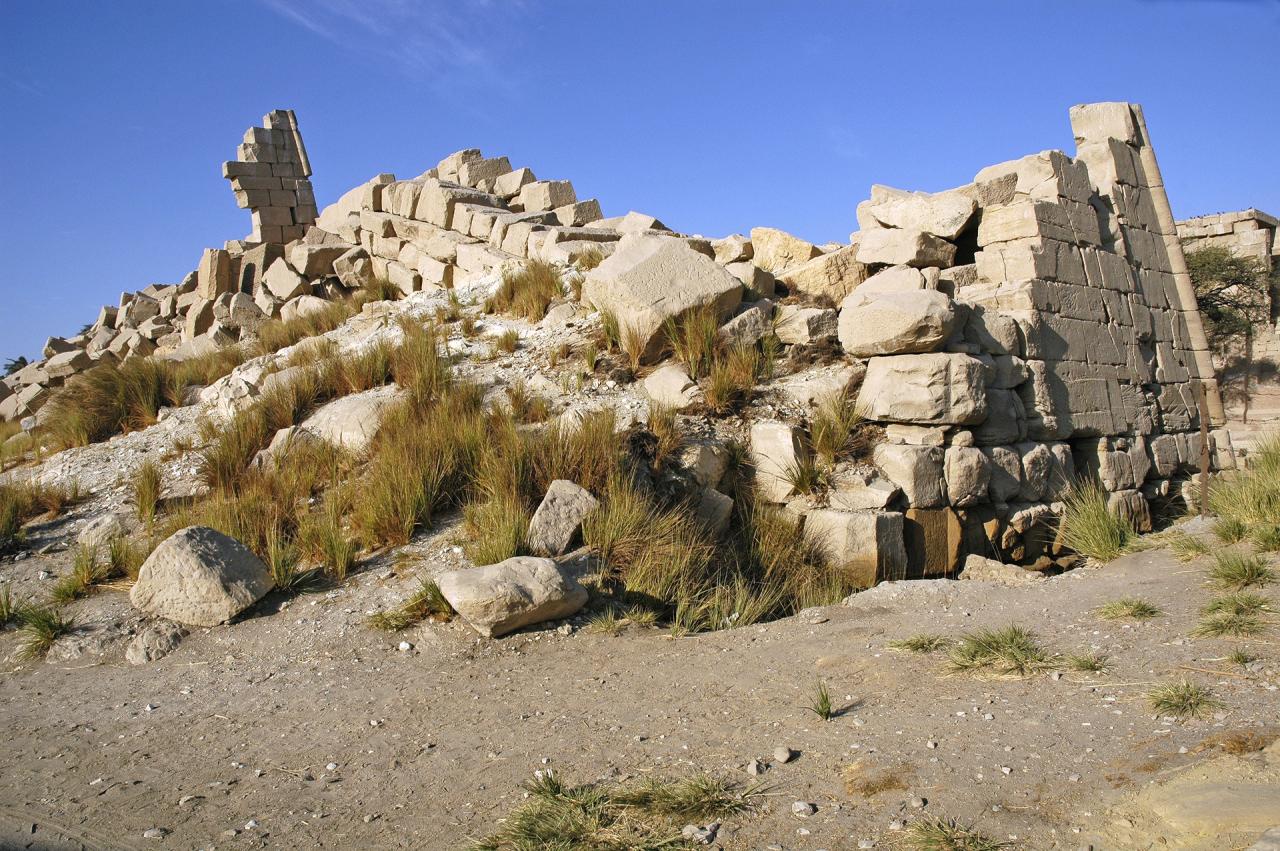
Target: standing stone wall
{"points": [[270, 179]]}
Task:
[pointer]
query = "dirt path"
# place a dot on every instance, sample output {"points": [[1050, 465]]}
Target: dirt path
{"points": [[237, 727]]}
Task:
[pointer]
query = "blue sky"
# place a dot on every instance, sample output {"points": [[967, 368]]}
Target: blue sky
{"points": [[714, 116]]}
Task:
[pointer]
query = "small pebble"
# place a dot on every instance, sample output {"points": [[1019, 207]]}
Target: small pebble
{"points": [[931, 744], [755, 768], [896, 824], [803, 809], [333, 766], [1075, 778], [154, 833], [404, 646], [918, 802], [782, 754]]}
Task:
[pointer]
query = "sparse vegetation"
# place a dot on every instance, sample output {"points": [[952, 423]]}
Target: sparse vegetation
{"points": [[936, 833], [1089, 528], [821, 703], [507, 341], [426, 603], [86, 571], [25, 501], [1010, 651], [922, 643], [1183, 699], [1230, 530], [146, 491], [589, 259], [834, 430], [41, 626], [1240, 657], [1128, 608], [1247, 501], [1235, 624], [1188, 547], [1088, 663], [528, 291], [646, 815], [1234, 570], [693, 338]]}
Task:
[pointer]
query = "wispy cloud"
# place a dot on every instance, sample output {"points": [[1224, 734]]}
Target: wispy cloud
{"points": [[445, 44]]}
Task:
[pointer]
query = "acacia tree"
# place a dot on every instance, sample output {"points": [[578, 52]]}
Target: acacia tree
{"points": [[1233, 294]]}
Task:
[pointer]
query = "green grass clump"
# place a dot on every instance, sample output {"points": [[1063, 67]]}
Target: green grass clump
{"points": [[732, 377], [1266, 538], [1234, 624], [1234, 570], [1010, 651], [1088, 527], [1230, 530], [935, 833], [646, 816], [40, 626], [1241, 657], [694, 339], [146, 487], [24, 501], [834, 430], [426, 602], [1188, 547], [527, 292], [1183, 699], [821, 703], [86, 572], [1088, 663], [922, 643], [1128, 608]]}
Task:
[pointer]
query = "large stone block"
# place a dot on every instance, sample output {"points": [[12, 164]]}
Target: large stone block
{"points": [[802, 325], [898, 247], [649, 280], [1006, 482], [968, 475], [943, 214], [501, 598], [895, 323], [928, 389], [213, 278], [868, 545], [934, 539], [283, 282], [201, 577], [776, 449], [671, 386], [917, 470], [351, 422], [827, 276], [775, 251], [546, 195], [559, 517]]}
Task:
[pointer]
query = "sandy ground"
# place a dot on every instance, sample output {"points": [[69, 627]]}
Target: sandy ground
{"points": [[228, 741]]}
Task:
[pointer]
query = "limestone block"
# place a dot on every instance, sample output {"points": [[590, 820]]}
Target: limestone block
{"points": [[927, 389], [894, 247], [316, 260], [354, 269], [749, 325], [1131, 506], [754, 279], [254, 263], [501, 598], [1038, 466], [632, 222], [670, 385], [984, 569], [578, 213], [1224, 454], [437, 200], [868, 545], [707, 459], [559, 517], [895, 323], [649, 280], [470, 173], [776, 448], [1006, 483], [1095, 122], [350, 422], [403, 278], [913, 435], [804, 325], [934, 539], [1046, 176], [1164, 455], [98, 533], [509, 185], [858, 492], [67, 364], [831, 276], [214, 275], [893, 279], [775, 251], [917, 470], [199, 319], [303, 305], [732, 249], [283, 282], [943, 214], [546, 195], [993, 332], [968, 475], [814, 387], [714, 511], [200, 577], [1006, 420]]}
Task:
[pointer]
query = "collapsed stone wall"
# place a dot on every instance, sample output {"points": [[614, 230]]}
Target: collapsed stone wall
{"points": [[269, 178], [1036, 323]]}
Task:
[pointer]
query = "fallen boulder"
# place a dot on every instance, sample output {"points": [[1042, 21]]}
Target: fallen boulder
{"points": [[501, 598], [200, 577], [895, 323], [559, 517]]}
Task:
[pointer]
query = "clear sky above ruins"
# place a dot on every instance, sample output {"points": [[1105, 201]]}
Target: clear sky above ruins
{"points": [[714, 116]]}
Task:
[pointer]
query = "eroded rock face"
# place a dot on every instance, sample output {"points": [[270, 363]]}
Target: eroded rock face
{"points": [[200, 577], [501, 598], [154, 642], [559, 517]]}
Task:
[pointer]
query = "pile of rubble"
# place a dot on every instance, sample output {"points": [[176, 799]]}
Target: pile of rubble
{"points": [[1010, 334]]}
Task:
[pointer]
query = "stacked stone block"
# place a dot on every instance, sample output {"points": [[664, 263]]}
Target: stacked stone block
{"points": [[270, 178], [1246, 233]]}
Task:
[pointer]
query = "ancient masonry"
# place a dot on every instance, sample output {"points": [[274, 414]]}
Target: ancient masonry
{"points": [[1009, 334], [1246, 233]]}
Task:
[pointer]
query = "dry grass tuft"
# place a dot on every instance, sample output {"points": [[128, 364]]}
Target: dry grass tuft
{"points": [[922, 643], [1010, 651], [935, 833], [693, 337], [426, 603], [1129, 608], [528, 291], [1089, 528], [1234, 570], [1183, 699], [146, 491]]}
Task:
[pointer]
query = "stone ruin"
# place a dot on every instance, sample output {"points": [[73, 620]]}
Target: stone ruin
{"points": [[1006, 335]]}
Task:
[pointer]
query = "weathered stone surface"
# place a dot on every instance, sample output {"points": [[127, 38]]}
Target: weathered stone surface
{"points": [[214, 275], [283, 282], [559, 518], [968, 475], [928, 389], [758, 282], [867, 544], [918, 470], [802, 325], [813, 387], [354, 269], [1006, 473], [832, 276], [942, 214], [1131, 506], [983, 569], [893, 279], [895, 323], [749, 325], [934, 538], [66, 364], [776, 448], [99, 532], [732, 249], [714, 511], [775, 250], [546, 195], [352, 421], [858, 492], [501, 598], [200, 577], [303, 305], [284, 441], [649, 280], [706, 458], [154, 642], [894, 247], [670, 385]]}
